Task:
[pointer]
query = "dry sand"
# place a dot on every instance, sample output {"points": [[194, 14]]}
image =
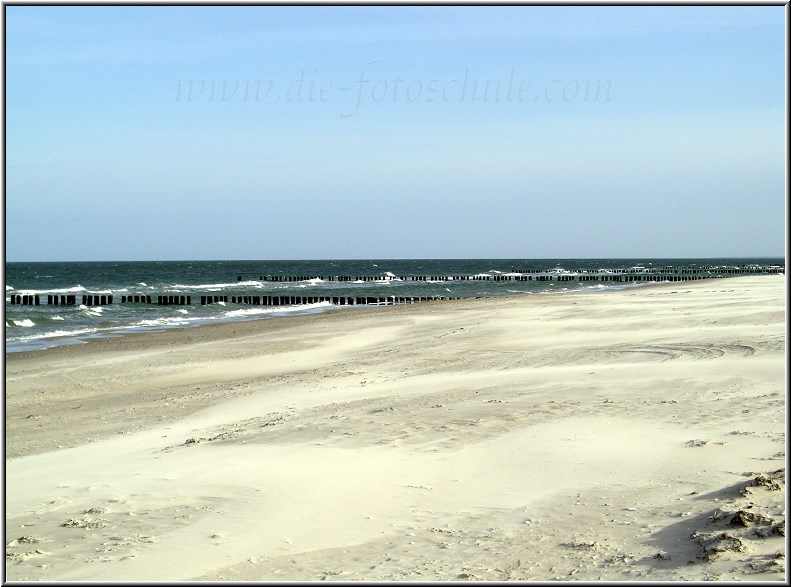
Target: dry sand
{"points": [[632, 435]]}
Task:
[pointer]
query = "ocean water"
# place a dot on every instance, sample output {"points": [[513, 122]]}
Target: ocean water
{"points": [[44, 326]]}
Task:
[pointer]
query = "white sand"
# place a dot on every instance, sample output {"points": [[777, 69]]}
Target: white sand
{"points": [[583, 436]]}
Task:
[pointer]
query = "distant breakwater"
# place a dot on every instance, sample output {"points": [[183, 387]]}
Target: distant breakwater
{"points": [[609, 276], [603, 275]]}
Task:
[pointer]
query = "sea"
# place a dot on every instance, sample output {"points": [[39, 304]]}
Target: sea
{"points": [[36, 327]]}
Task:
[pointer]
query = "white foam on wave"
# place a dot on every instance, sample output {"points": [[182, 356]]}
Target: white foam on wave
{"points": [[612, 286], [65, 290], [26, 323], [176, 321], [172, 321], [143, 284], [299, 307], [215, 286], [296, 308], [183, 311], [8, 288], [248, 312], [56, 334], [58, 318]]}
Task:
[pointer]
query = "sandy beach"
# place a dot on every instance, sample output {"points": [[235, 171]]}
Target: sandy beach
{"points": [[630, 435]]}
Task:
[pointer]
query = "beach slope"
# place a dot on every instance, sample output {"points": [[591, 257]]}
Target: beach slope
{"points": [[628, 435]]}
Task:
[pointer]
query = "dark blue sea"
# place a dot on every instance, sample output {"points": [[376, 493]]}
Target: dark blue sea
{"points": [[31, 327]]}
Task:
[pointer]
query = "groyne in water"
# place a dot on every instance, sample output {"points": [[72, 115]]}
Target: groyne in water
{"points": [[171, 300], [606, 276], [669, 273]]}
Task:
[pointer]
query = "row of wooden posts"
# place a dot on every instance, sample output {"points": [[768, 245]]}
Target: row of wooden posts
{"points": [[351, 278], [708, 270], [614, 275], [64, 300], [102, 300], [618, 275], [335, 300], [171, 300]]}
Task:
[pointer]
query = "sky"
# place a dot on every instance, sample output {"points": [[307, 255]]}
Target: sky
{"points": [[342, 132]]}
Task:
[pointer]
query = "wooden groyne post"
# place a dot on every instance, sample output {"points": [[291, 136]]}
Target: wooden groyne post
{"points": [[96, 299]]}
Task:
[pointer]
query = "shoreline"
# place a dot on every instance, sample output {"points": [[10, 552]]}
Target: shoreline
{"points": [[339, 309], [33, 326], [511, 437]]}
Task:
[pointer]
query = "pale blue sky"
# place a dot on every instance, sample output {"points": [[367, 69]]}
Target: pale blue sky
{"points": [[117, 148]]}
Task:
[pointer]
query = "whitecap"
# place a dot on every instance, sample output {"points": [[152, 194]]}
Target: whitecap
{"points": [[248, 312], [161, 322], [215, 286], [74, 289], [57, 333], [8, 287], [296, 308], [26, 323]]}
